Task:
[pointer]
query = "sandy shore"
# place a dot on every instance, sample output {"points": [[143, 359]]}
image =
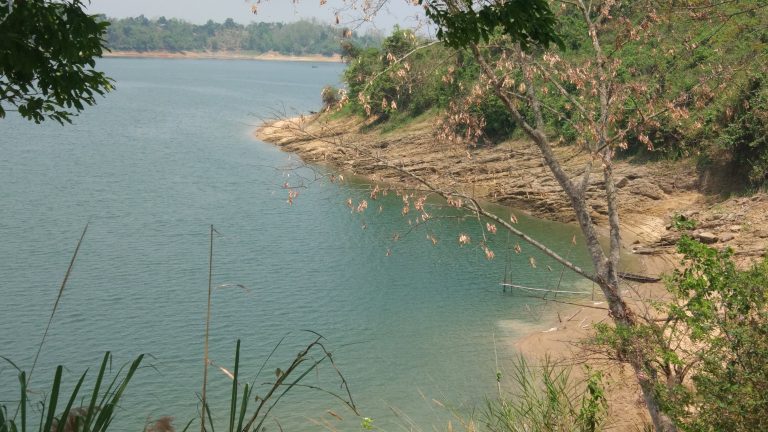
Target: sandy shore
{"points": [[223, 55], [649, 194]]}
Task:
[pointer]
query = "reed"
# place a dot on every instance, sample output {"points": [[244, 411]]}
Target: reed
{"points": [[96, 416], [547, 398], [286, 380]]}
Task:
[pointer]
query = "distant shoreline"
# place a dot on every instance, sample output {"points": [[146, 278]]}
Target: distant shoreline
{"points": [[223, 55]]}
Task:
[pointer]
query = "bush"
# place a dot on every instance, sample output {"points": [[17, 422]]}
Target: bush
{"points": [[726, 311], [709, 353], [746, 136], [498, 122], [331, 97]]}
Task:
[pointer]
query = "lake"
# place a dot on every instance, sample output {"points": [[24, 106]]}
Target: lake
{"points": [[170, 153]]}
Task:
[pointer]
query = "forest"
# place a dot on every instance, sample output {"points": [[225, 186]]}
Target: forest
{"points": [[174, 35]]}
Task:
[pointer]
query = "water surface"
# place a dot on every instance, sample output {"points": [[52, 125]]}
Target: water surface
{"points": [[171, 152]]}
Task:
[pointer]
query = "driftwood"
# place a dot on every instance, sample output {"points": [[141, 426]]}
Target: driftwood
{"points": [[639, 278]]}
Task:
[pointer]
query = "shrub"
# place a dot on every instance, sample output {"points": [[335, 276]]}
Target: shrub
{"points": [[714, 336], [331, 97], [746, 136]]}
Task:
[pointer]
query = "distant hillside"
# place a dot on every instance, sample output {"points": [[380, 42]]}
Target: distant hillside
{"points": [[162, 34]]}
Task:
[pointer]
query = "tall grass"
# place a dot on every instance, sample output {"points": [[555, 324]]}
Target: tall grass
{"points": [[249, 412], [96, 416], [547, 398], [99, 412]]}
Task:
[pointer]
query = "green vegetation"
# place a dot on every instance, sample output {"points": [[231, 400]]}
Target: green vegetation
{"points": [[47, 52], [683, 223], [705, 84], [298, 38], [712, 345], [96, 416], [525, 21], [745, 137], [726, 314], [547, 398], [394, 88]]}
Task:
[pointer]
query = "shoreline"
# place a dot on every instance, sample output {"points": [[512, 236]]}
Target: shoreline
{"points": [[649, 195], [222, 55]]}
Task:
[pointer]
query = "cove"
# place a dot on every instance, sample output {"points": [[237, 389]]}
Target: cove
{"points": [[169, 153]]}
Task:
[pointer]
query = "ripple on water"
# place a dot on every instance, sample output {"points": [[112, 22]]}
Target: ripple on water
{"points": [[169, 153]]}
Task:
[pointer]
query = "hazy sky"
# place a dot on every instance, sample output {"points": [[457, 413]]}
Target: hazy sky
{"points": [[199, 11]]}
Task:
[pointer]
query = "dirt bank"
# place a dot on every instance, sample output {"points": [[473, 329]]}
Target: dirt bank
{"points": [[223, 55], [512, 174]]}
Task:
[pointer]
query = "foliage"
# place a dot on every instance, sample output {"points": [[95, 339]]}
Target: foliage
{"points": [[526, 22], [382, 82], [548, 399], [746, 136], [726, 312], [713, 345], [683, 223], [47, 59], [498, 126], [431, 77], [297, 38], [96, 416], [331, 96]]}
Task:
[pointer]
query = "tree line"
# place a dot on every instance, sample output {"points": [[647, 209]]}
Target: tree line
{"points": [[171, 34]]}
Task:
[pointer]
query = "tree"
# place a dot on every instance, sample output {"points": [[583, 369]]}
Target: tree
{"points": [[609, 105], [606, 105], [47, 59], [463, 25]]}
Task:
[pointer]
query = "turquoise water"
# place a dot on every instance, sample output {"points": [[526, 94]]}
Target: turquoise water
{"points": [[171, 152]]}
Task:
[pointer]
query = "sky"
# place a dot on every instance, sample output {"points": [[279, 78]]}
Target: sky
{"points": [[199, 11]]}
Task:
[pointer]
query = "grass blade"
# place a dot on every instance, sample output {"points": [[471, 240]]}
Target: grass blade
{"points": [[210, 418], [233, 401], [207, 329], [64, 419], [189, 423], [243, 407], [54, 399], [23, 400], [56, 303], [96, 388]]}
